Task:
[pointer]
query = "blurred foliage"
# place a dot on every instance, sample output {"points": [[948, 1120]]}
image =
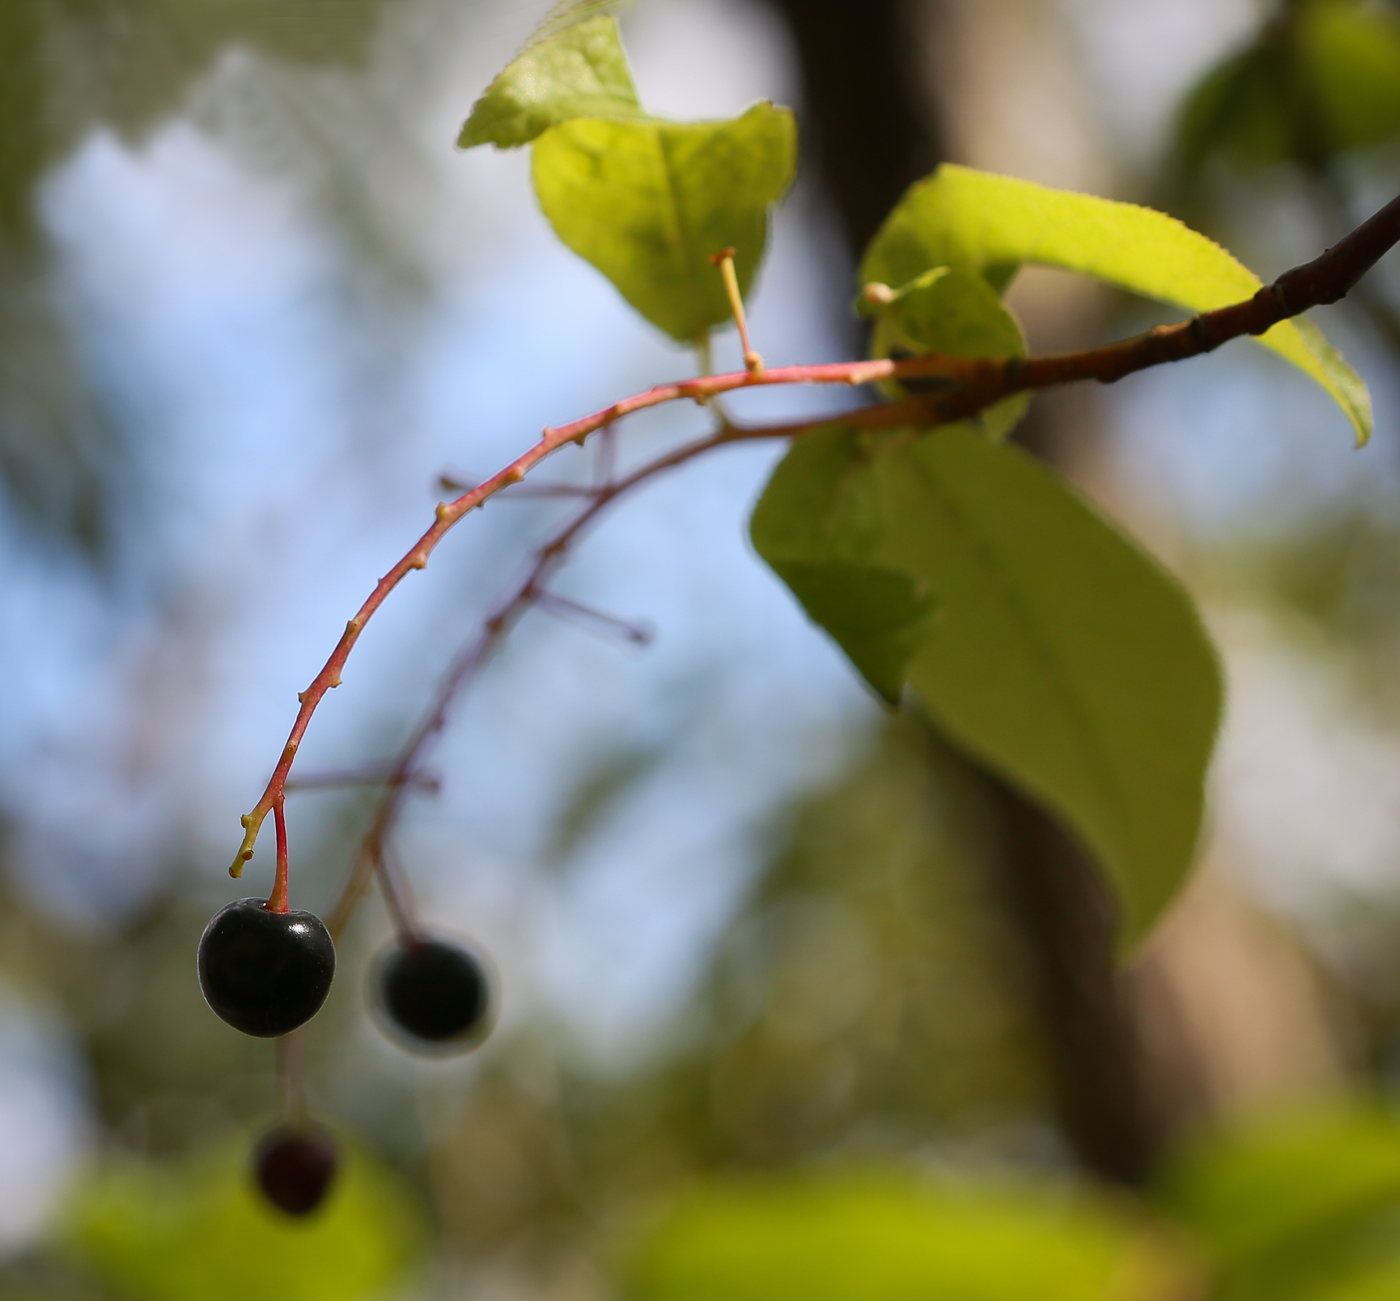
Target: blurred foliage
{"points": [[1322, 79], [67, 66], [885, 1236], [1316, 95], [1333, 580], [865, 1012], [200, 1229], [1301, 1206], [865, 1005]]}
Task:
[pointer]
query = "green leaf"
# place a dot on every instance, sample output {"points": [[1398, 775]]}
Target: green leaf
{"points": [[976, 220], [1251, 1190], [648, 203], [818, 524], [1325, 83], [1352, 59], [201, 1230], [579, 70], [876, 1236], [1233, 111], [1299, 1207], [1056, 650], [959, 314]]}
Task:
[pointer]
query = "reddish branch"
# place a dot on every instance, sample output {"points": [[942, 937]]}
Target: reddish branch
{"points": [[403, 774], [970, 384]]}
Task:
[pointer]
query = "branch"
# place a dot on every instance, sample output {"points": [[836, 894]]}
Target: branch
{"points": [[971, 383], [401, 774]]}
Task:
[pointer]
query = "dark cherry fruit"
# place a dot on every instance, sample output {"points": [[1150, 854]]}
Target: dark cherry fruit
{"points": [[265, 973], [435, 995], [295, 1166]]}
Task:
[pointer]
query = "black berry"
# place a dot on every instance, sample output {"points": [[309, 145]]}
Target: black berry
{"points": [[294, 1167], [437, 995], [265, 973]]}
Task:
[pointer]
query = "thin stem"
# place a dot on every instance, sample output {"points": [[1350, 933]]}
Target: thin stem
{"points": [[291, 1077], [474, 656], [277, 900], [338, 780], [970, 384], [398, 898], [724, 260], [585, 616]]}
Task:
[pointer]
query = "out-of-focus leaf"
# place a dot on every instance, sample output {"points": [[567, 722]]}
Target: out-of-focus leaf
{"points": [[1234, 110], [883, 1236], [959, 314], [203, 1231], [66, 65], [1038, 636], [1323, 79], [648, 203], [602, 784], [963, 218], [1256, 1190], [577, 71], [1351, 53]]}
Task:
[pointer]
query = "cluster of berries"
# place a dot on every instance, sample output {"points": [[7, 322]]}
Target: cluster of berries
{"points": [[266, 973]]}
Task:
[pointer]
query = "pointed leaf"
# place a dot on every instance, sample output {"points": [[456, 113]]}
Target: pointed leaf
{"points": [[575, 71], [1057, 650], [963, 218], [648, 203]]}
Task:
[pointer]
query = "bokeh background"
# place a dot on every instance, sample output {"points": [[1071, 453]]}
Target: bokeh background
{"points": [[253, 304]]}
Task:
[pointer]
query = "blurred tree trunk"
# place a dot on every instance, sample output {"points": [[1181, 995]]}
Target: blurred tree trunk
{"points": [[870, 129]]}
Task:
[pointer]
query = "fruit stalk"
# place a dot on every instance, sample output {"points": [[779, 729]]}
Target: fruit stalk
{"points": [[277, 900]]}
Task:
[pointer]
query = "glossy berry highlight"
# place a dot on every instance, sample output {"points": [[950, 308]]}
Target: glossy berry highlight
{"points": [[265, 973], [295, 1167], [436, 995]]}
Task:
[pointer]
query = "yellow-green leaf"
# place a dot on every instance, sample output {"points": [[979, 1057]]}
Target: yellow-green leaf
{"points": [[1297, 1206], [578, 70], [1044, 641], [200, 1229], [963, 218], [887, 1236], [648, 203]]}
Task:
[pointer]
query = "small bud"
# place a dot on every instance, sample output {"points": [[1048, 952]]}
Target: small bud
{"points": [[878, 295]]}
